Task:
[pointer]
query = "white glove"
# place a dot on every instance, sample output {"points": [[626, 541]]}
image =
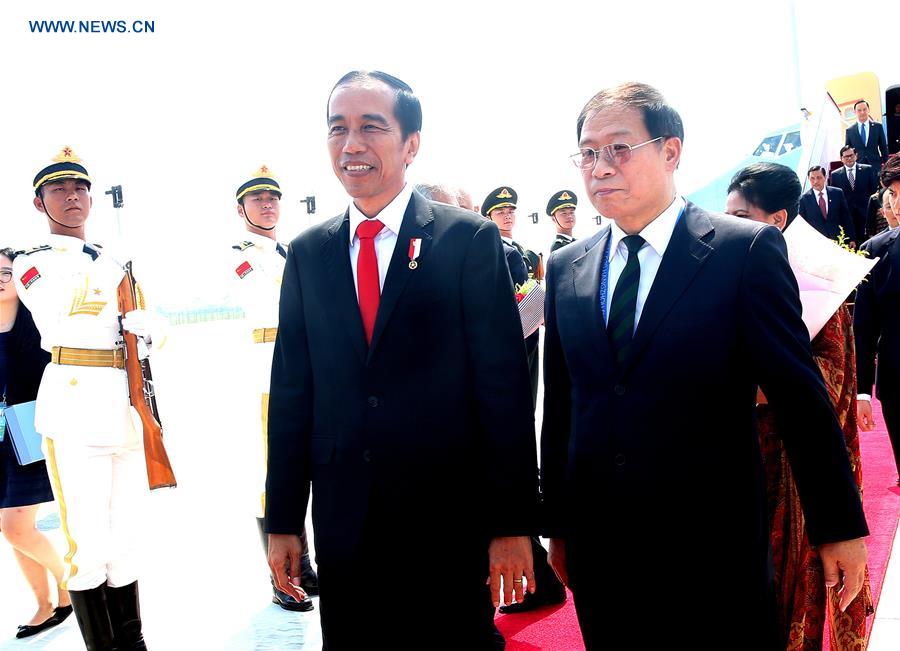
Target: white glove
{"points": [[143, 348], [138, 323]]}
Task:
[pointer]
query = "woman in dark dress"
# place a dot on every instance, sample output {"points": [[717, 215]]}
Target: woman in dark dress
{"points": [[770, 193], [23, 488]]}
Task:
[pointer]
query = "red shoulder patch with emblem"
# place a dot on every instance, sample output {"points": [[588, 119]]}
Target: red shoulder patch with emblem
{"points": [[243, 269], [30, 277]]}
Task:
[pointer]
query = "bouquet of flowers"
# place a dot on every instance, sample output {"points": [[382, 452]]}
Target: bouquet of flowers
{"points": [[530, 296]]}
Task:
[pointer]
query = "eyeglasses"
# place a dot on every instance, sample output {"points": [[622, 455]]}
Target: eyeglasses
{"points": [[5, 276], [616, 154]]}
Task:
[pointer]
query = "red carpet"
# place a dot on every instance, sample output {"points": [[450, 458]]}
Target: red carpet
{"points": [[556, 628], [881, 498]]}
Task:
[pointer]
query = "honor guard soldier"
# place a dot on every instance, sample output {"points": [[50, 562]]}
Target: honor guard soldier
{"points": [[500, 208], [94, 450], [561, 209], [256, 269]]}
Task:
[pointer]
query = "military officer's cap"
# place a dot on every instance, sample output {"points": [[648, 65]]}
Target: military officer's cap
{"points": [[65, 165], [561, 199], [499, 198], [262, 180]]}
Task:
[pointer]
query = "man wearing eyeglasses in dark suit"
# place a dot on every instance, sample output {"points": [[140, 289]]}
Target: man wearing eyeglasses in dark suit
{"points": [[858, 182], [659, 329]]}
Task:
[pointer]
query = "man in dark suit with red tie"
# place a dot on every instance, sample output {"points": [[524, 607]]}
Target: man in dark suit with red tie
{"points": [[659, 329], [400, 394], [825, 207], [867, 137], [858, 182]]}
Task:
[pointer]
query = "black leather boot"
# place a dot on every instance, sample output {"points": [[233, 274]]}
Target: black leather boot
{"points": [[125, 615], [283, 599], [93, 618], [309, 580]]}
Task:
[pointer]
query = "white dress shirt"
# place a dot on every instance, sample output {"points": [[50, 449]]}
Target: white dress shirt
{"points": [[385, 242], [657, 235]]}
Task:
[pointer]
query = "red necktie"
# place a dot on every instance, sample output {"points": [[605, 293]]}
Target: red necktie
{"points": [[822, 206], [367, 274]]}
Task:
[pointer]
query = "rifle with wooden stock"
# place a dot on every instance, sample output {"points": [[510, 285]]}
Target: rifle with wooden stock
{"points": [[141, 391]]}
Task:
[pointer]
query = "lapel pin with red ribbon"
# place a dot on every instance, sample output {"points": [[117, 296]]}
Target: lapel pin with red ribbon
{"points": [[415, 247]]}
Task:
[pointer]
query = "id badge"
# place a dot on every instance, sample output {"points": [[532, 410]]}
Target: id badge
{"points": [[2, 420]]}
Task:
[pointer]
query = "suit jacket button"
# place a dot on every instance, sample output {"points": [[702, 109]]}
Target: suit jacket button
{"points": [[367, 457], [619, 389], [620, 459], [373, 401]]}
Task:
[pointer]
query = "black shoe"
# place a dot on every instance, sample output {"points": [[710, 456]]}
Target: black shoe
{"points": [[62, 612], [287, 602], [533, 601], [93, 618], [125, 615], [309, 580], [27, 630]]}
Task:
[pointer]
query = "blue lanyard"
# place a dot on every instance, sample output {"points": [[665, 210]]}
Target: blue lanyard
{"points": [[604, 277], [3, 415]]}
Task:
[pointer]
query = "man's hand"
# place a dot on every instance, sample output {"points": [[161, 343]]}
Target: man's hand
{"points": [[285, 551], [510, 560], [556, 556], [864, 418], [845, 566]]}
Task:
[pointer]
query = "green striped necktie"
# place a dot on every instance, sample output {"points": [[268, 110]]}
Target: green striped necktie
{"points": [[620, 325]]}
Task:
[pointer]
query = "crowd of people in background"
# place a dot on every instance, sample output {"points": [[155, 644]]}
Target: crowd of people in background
{"points": [[390, 378]]}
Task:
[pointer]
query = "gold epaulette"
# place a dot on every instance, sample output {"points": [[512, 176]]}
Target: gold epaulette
{"points": [[243, 246], [42, 247]]}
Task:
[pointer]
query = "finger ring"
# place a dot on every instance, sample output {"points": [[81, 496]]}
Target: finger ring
{"points": [[517, 580]]}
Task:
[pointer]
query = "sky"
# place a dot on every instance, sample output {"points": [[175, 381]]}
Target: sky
{"points": [[180, 117]]}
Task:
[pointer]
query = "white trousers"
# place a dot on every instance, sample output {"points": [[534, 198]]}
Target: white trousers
{"points": [[100, 493]]}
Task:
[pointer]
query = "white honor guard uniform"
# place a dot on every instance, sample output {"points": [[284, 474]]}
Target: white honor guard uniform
{"points": [[94, 451], [257, 265], [256, 268]]}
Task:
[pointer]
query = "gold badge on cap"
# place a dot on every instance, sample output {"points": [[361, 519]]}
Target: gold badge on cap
{"points": [[504, 194], [565, 196], [66, 155], [263, 171]]}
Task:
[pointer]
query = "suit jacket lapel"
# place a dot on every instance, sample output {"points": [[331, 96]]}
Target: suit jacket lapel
{"points": [[685, 254], [890, 248], [829, 196], [813, 203], [587, 271], [417, 223], [339, 277]]}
